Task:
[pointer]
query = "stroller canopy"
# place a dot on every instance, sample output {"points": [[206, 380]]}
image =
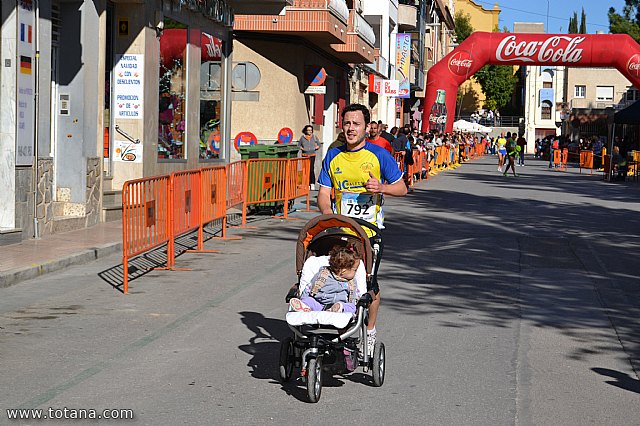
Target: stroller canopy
{"points": [[323, 232]]}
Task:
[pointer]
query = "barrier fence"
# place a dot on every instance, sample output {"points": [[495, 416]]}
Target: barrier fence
{"points": [[145, 218], [158, 210]]}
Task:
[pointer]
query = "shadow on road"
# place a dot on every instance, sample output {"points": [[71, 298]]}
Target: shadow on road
{"points": [[622, 380]]}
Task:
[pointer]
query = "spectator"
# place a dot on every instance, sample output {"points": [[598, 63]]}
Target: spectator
{"points": [[522, 143]]}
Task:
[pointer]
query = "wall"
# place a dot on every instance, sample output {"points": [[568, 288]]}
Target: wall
{"points": [[281, 100], [8, 123], [591, 78], [79, 77]]}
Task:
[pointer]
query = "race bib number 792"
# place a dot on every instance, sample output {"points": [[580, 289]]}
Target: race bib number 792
{"points": [[362, 205]]}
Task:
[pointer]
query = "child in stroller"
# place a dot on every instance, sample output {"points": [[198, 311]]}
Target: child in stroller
{"points": [[324, 341], [335, 286]]}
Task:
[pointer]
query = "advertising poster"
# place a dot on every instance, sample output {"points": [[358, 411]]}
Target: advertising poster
{"points": [[128, 88], [403, 64], [127, 152], [26, 84]]}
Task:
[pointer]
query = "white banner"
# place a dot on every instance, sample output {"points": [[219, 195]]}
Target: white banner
{"points": [[390, 88], [128, 88], [26, 68]]}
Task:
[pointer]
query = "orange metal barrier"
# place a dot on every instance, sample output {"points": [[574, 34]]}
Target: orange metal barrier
{"points": [[214, 184], [564, 158], [298, 173], [399, 156], [145, 218], [185, 206], [266, 182], [236, 188]]}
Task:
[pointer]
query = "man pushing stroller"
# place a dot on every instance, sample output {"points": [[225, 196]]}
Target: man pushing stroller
{"points": [[360, 173]]}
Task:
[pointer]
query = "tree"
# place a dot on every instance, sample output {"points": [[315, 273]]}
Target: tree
{"points": [[573, 24], [463, 26], [498, 83], [628, 22], [583, 22]]}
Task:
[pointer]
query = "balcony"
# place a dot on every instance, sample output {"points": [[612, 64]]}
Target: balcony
{"points": [[380, 64], [358, 48], [416, 78], [259, 7], [407, 17], [322, 22]]}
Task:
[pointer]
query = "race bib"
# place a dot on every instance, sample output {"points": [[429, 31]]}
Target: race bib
{"points": [[362, 205]]}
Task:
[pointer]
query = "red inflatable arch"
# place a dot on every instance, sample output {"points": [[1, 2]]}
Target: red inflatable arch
{"points": [[481, 48]]}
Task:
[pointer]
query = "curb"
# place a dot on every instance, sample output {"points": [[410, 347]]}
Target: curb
{"points": [[17, 275]]}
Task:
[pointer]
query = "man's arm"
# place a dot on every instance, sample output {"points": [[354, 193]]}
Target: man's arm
{"points": [[324, 200]]}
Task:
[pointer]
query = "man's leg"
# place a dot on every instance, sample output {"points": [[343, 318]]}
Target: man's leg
{"points": [[373, 312]]}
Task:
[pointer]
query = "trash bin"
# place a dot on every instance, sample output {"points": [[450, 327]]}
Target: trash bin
{"points": [[267, 151], [258, 172]]}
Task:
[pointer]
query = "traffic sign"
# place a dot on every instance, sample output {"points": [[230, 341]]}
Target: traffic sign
{"points": [[244, 138], [285, 136]]}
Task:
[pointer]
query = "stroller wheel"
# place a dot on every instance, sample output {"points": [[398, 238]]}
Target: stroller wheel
{"points": [[378, 364], [314, 379], [286, 359]]}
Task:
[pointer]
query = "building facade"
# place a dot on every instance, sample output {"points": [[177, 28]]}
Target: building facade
{"points": [[471, 98]]}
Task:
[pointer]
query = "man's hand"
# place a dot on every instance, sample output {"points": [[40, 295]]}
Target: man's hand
{"points": [[374, 185]]}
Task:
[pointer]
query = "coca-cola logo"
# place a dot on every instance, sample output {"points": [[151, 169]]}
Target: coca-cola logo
{"points": [[633, 65], [461, 63], [438, 119], [556, 49]]}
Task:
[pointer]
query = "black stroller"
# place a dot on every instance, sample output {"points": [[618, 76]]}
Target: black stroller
{"points": [[328, 342]]}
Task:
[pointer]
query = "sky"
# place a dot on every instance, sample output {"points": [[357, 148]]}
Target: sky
{"points": [[559, 12]]}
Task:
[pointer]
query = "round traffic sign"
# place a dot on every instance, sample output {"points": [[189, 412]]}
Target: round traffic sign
{"points": [[285, 136], [244, 138]]}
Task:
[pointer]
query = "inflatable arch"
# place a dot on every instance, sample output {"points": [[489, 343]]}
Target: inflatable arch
{"points": [[481, 48]]}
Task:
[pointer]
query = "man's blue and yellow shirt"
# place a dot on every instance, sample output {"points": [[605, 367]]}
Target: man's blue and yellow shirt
{"points": [[348, 171]]}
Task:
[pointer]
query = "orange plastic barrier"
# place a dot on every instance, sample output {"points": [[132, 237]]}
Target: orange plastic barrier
{"points": [[145, 218], [557, 157], [586, 160], [399, 156], [564, 158]]}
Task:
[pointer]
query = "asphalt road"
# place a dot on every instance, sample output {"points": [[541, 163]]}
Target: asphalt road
{"points": [[504, 301]]}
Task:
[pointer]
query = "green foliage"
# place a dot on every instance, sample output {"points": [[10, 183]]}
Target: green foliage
{"points": [[628, 22], [463, 26], [498, 83], [573, 24], [583, 22]]}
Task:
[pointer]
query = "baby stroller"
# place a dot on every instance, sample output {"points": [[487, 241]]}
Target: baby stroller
{"points": [[330, 342]]}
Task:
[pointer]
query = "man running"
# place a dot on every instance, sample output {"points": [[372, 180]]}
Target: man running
{"points": [[361, 173]]}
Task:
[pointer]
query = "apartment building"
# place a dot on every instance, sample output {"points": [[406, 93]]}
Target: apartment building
{"points": [[593, 94]]}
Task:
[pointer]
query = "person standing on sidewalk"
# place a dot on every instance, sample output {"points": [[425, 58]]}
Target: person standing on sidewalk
{"points": [[361, 174], [309, 144], [376, 139], [522, 143]]}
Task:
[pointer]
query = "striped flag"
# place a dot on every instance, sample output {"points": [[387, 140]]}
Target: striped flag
{"points": [[25, 65], [26, 33]]}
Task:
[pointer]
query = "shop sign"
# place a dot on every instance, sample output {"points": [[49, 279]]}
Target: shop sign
{"points": [[316, 90], [128, 88]]}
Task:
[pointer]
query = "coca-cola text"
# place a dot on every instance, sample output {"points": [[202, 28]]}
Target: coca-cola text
{"points": [[556, 49]]}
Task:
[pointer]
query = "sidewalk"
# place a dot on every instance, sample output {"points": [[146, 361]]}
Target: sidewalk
{"points": [[32, 258]]}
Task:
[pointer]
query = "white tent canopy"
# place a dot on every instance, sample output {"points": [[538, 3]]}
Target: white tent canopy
{"points": [[466, 126]]}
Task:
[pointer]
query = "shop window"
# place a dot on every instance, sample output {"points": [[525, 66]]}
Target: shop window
{"points": [[210, 98], [173, 91]]}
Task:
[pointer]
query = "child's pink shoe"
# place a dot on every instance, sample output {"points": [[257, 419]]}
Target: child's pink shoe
{"points": [[298, 305]]}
